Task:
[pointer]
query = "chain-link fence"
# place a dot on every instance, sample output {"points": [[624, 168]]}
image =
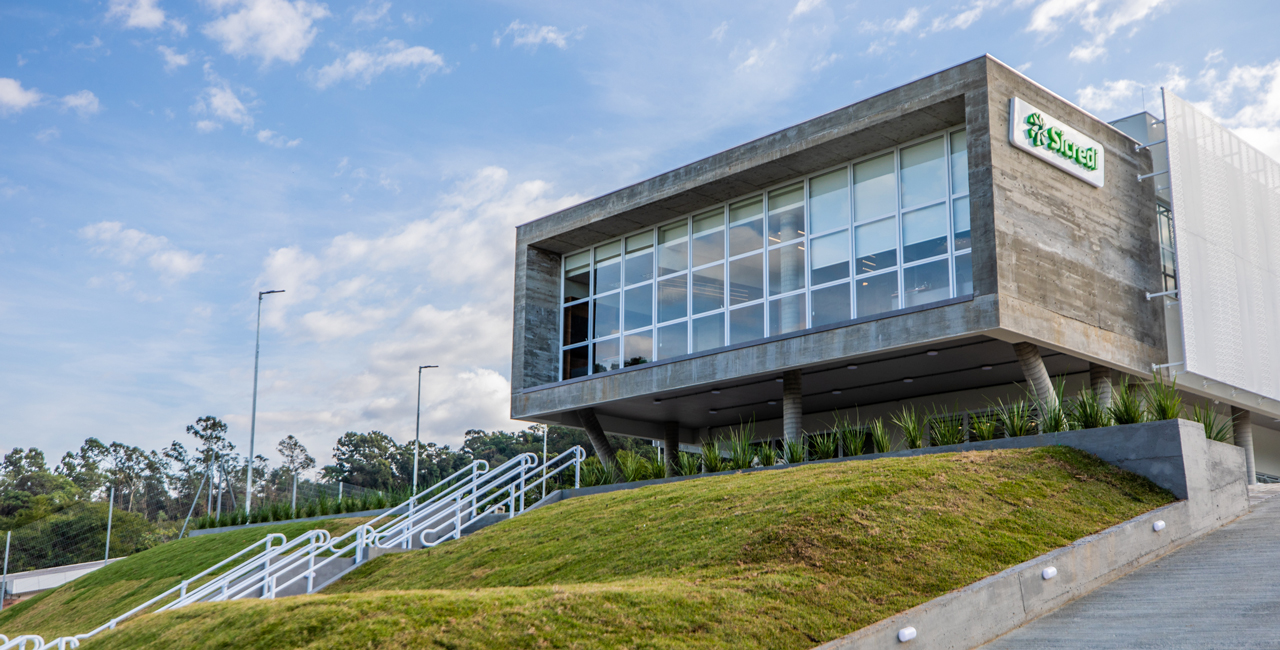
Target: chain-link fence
{"points": [[79, 534], [278, 502]]}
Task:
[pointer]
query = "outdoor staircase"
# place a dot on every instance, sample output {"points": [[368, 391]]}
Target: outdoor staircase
{"points": [[274, 567]]}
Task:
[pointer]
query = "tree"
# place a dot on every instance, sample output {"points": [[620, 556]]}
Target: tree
{"points": [[84, 468], [364, 459], [295, 459]]}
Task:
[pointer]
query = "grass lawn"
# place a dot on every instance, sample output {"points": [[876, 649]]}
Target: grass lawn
{"points": [[781, 559], [96, 598]]}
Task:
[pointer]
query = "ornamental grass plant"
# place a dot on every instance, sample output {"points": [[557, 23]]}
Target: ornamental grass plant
{"points": [[822, 446], [1126, 404], [947, 428], [1162, 400], [689, 464], [983, 425], [1088, 412], [912, 422], [767, 454], [880, 440], [793, 451], [1216, 426], [711, 460], [1015, 418]]}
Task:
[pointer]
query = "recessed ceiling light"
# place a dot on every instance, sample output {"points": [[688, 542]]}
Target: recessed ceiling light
{"points": [[986, 367], [771, 402], [835, 392], [852, 367], [779, 380], [908, 380], [657, 401], [932, 353], [712, 411], [715, 392]]}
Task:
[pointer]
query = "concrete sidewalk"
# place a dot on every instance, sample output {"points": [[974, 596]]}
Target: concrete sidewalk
{"points": [[1220, 592]]}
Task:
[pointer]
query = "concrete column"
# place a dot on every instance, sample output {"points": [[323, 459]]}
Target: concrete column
{"points": [[792, 406], [671, 446], [1242, 431], [1100, 382], [595, 433], [1033, 369]]}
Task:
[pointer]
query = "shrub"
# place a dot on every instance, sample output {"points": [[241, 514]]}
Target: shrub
{"points": [[947, 428], [1214, 428], [1162, 399], [850, 437], [741, 451], [912, 423], [879, 436], [1014, 418], [688, 463], [983, 425], [711, 460], [1053, 415], [1088, 412], [767, 454], [1126, 404], [633, 466], [793, 451], [822, 446], [595, 473]]}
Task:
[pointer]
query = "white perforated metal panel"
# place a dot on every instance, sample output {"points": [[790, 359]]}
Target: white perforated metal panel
{"points": [[1226, 210]]}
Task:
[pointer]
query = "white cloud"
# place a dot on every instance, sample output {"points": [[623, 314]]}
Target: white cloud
{"points": [[84, 102], [143, 14], [371, 13], [221, 104], [1112, 93], [268, 29], [964, 18], [534, 35], [51, 133], [14, 98], [8, 189], [127, 245], [907, 23], [172, 59], [718, 33], [390, 55], [276, 140], [805, 6], [1099, 18]]}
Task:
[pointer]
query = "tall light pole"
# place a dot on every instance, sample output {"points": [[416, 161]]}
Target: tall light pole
{"points": [[417, 428], [253, 417]]}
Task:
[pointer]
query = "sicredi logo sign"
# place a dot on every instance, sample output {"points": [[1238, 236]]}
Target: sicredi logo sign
{"points": [[1044, 137]]}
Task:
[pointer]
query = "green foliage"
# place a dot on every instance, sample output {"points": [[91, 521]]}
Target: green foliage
{"points": [[1053, 415], [947, 428], [1162, 400], [634, 467], [1014, 418], [1088, 412], [741, 448], [595, 473], [852, 436], [1215, 427], [984, 426], [711, 460], [879, 436], [767, 454], [912, 424], [822, 445], [1126, 404], [793, 451], [689, 463]]}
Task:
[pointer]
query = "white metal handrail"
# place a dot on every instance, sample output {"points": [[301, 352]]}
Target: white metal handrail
{"points": [[247, 576], [20, 642]]}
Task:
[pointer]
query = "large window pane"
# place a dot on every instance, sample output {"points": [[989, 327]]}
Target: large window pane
{"points": [[708, 289], [746, 279], [786, 269], [746, 324], [575, 362], [959, 164], [708, 332], [673, 295], [639, 266], [708, 237], [831, 304], [746, 226], [673, 248], [786, 314], [577, 276], [964, 275], [639, 305], [924, 173], [786, 213], [607, 355], [829, 256], [829, 201], [876, 246], [607, 314], [926, 283], [608, 267], [637, 348], [960, 217], [924, 233], [576, 321], [874, 192], [877, 294], [673, 340]]}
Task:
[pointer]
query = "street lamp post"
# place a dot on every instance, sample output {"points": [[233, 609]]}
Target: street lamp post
{"points": [[417, 428], [253, 416]]}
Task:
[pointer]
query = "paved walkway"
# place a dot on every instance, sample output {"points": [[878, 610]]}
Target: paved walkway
{"points": [[1220, 592]]}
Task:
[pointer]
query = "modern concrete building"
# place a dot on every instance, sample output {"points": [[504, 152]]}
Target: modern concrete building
{"points": [[959, 239]]}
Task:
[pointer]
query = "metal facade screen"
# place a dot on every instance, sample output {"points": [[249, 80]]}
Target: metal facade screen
{"points": [[1226, 213]]}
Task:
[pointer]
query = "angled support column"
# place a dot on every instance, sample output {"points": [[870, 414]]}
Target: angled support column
{"points": [[792, 406], [1033, 369], [595, 433], [1242, 431], [1100, 382], [671, 447]]}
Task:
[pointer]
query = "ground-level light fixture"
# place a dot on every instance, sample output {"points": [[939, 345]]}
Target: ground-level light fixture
{"points": [[1049, 573], [906, 634], [1158, 526]]}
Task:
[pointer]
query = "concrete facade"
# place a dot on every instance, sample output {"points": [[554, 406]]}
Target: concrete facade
{"points": [[1057, 264]]}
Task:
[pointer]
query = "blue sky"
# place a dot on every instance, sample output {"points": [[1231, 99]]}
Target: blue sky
{"points": [[163, 161]]}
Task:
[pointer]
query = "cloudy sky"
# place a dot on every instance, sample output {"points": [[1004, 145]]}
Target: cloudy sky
{"points": [[164, 160]]}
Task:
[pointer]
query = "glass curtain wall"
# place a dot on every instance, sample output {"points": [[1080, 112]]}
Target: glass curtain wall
{"points": [[883, 233]]}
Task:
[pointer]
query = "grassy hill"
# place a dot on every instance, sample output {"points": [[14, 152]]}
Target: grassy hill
{"points": [[98, 597], [781, 559]]}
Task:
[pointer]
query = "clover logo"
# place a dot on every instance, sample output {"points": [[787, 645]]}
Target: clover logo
{"points": [[1036, 131]]}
